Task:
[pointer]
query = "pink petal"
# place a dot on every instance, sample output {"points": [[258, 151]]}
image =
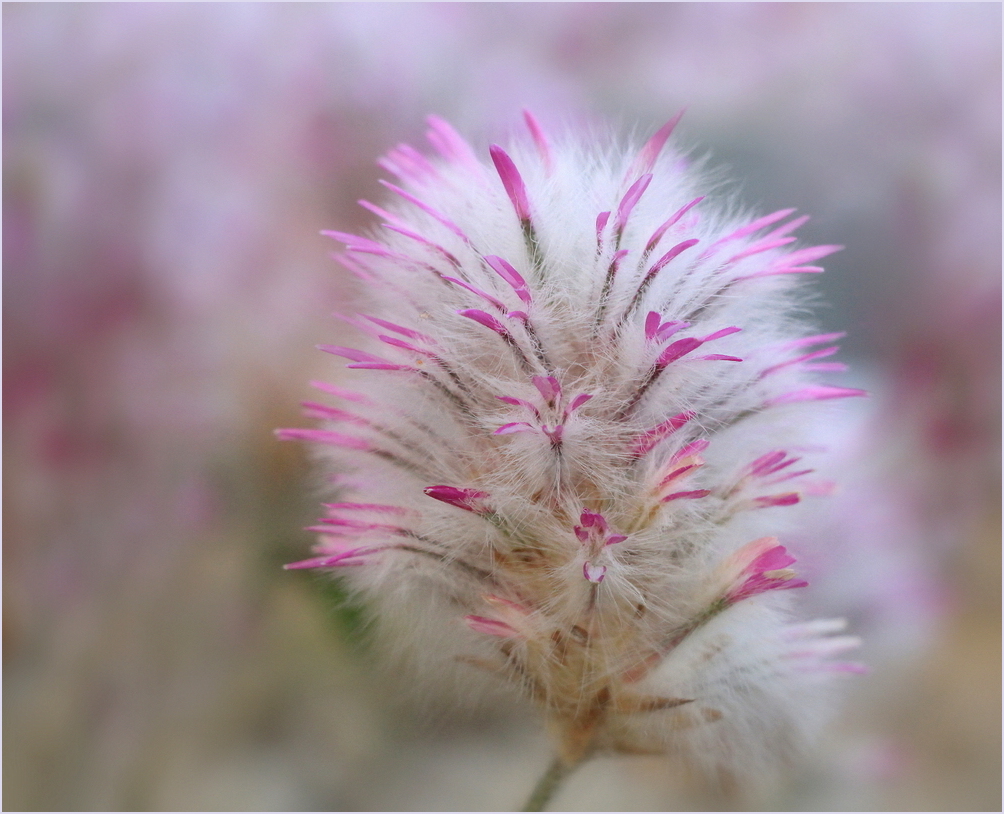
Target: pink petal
{"points": [[361, 357], [723, 332], [670, 255], [601, 223], [697, 493], [749, 228], [327, 562], [613, 539], [594, 573], [817, 339], [323, 437], [652, 323], [657, 235], [786, 499], [645, 162], [809, 254], [423, 240], [593, 520], [816, 393], [630, 199], [471, 500], [342, 393], [540, 140], [380, 213], [368, 507], [493, 627], [516, 426], [512, 181], [449, 224], [648, 439], [515, 402], [450, 144], [548, 387], [577, 402], [772, 559], [485, 319], [667, 329], [692, 448], [676, 473], [510, 275], [314, 410], [484, 295], [677, 349]]}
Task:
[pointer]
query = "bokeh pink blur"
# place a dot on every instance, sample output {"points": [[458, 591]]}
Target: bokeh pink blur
{"points": [[167, 169]]}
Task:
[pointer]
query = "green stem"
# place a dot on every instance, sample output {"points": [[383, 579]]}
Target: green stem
{"points": [[548, 785]]}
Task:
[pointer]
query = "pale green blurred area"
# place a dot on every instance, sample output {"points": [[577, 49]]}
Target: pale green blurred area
{"points": [[166, 171]]}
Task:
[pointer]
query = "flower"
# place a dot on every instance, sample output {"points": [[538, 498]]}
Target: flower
{"points": [[583, 384]]}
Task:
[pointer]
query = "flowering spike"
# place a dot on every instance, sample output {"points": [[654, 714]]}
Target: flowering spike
{"points": [[512, 181], [608, 479]]}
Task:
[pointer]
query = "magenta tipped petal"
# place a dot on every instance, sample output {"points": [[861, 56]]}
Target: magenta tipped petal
{"points": [[696, 493], [817, 393], [486, 319], [470, 500], [645, 162], [512, 181], [493, 627], [540, 140]]}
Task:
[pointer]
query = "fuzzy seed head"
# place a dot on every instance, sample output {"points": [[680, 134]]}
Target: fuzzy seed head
{"points": [[580, 397]]}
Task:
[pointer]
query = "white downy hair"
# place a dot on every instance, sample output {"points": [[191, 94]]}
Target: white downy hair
{"points": [[581, 408]]}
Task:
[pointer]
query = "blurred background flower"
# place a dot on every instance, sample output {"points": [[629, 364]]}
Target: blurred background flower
{"points": [[166, 171]]}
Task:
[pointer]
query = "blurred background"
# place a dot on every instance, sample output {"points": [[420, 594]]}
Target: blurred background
{"points": [[167, 168]]}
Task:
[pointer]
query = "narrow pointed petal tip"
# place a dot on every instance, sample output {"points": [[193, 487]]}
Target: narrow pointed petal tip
{"points": [[471, 500], [645, 162], [540, 140], [493, 627], [816, 393], [512, 181]]}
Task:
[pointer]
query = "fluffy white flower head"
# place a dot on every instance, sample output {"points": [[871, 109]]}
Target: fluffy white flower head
{"points": [[575, 421]]}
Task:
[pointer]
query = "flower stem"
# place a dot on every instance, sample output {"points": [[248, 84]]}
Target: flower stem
{"points": [[548, 785]]}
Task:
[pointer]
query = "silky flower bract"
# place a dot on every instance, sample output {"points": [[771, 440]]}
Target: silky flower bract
{"points": [[576, 423]]}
